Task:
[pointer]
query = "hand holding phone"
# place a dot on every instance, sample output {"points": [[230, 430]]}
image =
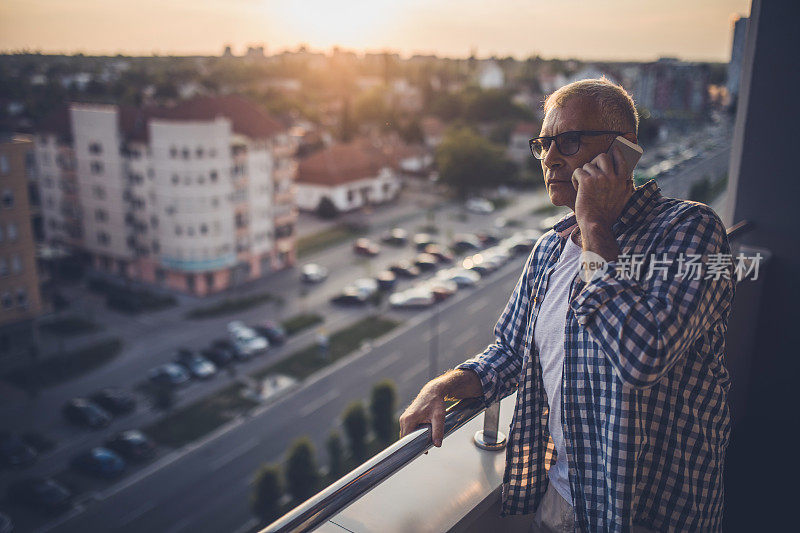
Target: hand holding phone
{"points": [[630, 153]]}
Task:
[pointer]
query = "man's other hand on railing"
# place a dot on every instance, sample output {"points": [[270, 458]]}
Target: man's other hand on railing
{"points": [[429, 405]]}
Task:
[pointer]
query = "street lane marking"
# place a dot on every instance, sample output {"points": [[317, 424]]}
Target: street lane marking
{"points": [[136, 513], [235, 453], [383, 363], [319, 403], [474, 307], [413, 371]]}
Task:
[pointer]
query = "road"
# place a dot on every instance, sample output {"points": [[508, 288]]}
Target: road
{"points": [[206, 488]]}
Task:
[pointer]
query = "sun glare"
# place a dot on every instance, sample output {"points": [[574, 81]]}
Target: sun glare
{"points": [[323, 23]]}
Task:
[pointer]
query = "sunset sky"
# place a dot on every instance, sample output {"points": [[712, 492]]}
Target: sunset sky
{"points": [[587, 29]]}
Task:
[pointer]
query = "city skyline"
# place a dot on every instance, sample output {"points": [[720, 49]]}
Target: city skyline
{"points": [[614, 30]]}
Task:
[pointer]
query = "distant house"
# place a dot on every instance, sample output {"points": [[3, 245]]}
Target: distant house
{"points": [[433, 131], [518, 149], [351, 175], [491, 76]]}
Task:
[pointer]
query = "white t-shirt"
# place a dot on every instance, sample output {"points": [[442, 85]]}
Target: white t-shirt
{"points": [[549, 336]]}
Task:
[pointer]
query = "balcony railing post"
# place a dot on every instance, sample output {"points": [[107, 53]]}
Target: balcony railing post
{"points": [[489, 438]]}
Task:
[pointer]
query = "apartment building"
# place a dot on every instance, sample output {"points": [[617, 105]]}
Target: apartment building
{"points": [[20, 300], [196, 198]]}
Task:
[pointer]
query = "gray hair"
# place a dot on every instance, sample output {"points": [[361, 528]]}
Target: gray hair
{"points": [[616, 106]]}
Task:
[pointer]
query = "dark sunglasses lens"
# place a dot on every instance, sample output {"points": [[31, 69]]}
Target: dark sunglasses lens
{"points": [[569, 143], [539, 147]]}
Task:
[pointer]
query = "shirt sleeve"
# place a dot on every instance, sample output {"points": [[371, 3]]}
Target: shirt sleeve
{"points": [[645, 324], [499, 366]]}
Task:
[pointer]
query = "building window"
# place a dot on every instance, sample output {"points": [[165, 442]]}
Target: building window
{"points": [[5, 168], [213, 175], [173, 152], [103, 238], [156, 247], [100, 215], [22, 298], [16, 264], [98, 192], [8, 198], [350, 195], [7, 301], [95, 148], [175, 179], [3, 266], [96, 167], [199, 152], [12, 231], [186, 153], [203, 229], [1, 233], [154, 221]]}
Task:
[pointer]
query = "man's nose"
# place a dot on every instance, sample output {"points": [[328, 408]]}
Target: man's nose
{"points": [[552, 157]]}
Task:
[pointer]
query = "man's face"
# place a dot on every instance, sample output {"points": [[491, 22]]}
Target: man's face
{"points": [[577, 114]]}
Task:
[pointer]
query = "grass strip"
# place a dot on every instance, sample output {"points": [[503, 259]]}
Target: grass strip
{"points": [[298, 323], [60, 368], [308, 360], [231, 305], [200, 418]]}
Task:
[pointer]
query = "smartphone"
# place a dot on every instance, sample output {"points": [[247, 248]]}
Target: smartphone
{"points": [[630, 152]]}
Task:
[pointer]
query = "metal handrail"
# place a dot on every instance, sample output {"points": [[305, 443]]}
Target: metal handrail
{"points": [[329, 501], [739, 229]]}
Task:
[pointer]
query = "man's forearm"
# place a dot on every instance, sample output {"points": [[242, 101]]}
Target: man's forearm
{"points": [[457, 385]]}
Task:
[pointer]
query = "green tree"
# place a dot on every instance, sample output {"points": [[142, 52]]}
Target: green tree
{"points": [[355, 426], [335, 455], [468, 162], [267, 492], [302, 475], [382, 407]]}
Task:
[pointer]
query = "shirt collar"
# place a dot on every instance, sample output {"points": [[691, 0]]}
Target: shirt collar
{"points": [[639, 202]]}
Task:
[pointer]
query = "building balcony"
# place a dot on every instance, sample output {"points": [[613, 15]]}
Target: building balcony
{"points": [[456, 488]]}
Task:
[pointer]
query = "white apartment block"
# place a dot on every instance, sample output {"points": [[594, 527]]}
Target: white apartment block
{"points": [[196, 198]]}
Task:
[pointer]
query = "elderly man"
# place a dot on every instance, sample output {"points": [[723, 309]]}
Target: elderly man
{"points": [[621, 420]]}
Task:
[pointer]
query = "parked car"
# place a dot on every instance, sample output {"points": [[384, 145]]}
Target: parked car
{"points": [[349, 296], [133, 445], [368, 286], [230, 346], [15, 452], [115, 401], [421, 240], [465, 242], [248, 343], [487, 239], [170, 375], [273, 332], [395, 237], [100, 462], [364, 246], [219, 355], [386, 280], [480, 206], [461, 276], [197, 365], [441, 288], [441, 255], [83, 412], [313, 273], [404, 269], [41, 493], [425, 262], [479, 264], [416, 297]]}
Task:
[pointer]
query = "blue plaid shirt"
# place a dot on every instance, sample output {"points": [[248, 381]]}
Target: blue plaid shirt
{"points": [[644, 390]]}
